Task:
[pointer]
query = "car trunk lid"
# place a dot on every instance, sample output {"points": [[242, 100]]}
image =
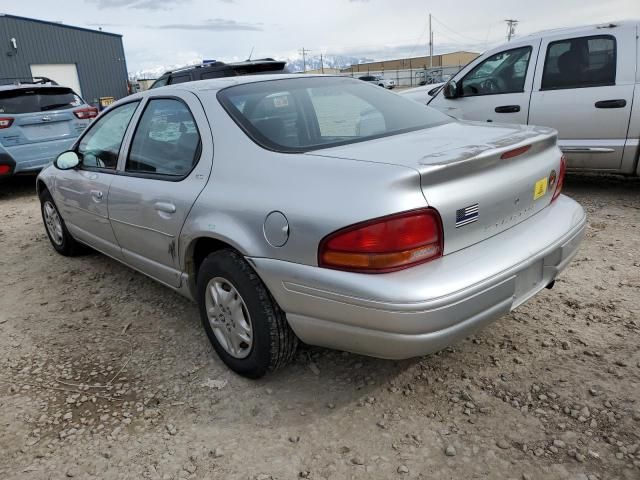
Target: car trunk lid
{"points": [[472, 173]]}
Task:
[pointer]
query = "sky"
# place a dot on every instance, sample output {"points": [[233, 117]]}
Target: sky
{"points": [[158, 34]]}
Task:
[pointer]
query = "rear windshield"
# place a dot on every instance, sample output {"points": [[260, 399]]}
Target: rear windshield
{"points": [[30, 100], [302, 114]]}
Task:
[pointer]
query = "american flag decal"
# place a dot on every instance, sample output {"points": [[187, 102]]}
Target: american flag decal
{"points": [[467, 215]]}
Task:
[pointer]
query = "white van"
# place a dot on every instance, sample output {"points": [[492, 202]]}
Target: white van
{"points": [[584, 82]]}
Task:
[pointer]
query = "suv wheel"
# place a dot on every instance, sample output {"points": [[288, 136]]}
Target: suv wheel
{"points": [[245, 325]]}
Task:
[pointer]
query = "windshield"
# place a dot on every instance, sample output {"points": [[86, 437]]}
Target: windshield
{"points": [[302, 114], [30, 100]]}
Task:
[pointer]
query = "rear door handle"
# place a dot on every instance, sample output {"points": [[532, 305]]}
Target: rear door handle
{"points": [[165, 207], [508, 109], [619, 103]]}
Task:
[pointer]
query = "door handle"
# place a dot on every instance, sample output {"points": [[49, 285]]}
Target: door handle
{"points": [[508, 109], [97, 194], [619, 103], [165, 207]]}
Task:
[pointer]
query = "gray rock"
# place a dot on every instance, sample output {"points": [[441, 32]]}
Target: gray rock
{"points": [[503, 444], [357, 460], [171, 428], [450, 451], [559, 443], [403, 469]]}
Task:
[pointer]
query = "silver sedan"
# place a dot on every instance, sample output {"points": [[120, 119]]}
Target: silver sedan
{"points": [[317, 208]]}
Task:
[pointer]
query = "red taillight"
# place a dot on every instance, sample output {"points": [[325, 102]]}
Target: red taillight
{"points": [[5, 122], [384, 244], [5, 169], [560, 181], [515, 152], [86, 113]]}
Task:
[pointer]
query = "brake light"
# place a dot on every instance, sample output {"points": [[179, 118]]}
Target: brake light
{"points": [[5, 122], [5, 169], [86, 113], [384, 244], [560, 181], [515, 152]]}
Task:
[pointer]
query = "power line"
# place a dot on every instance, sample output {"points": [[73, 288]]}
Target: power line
{"points": [[467, 37], [511, 28], [304, 52]]}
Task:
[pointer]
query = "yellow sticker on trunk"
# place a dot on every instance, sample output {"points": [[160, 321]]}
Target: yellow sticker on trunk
{"points": [[540, 189]]}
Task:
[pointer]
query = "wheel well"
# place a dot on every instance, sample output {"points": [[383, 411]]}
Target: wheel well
{"points": [[201, 248], [40, 187]]}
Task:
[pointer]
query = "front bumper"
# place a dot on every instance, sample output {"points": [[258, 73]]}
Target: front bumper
{"points": [[426, 308]]}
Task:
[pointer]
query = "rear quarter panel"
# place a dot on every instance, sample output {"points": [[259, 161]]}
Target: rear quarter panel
{"points": [[318, 195]]}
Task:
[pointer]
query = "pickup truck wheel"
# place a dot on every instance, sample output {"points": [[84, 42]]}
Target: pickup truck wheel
{"points": [[56, 229], [245, 325]]}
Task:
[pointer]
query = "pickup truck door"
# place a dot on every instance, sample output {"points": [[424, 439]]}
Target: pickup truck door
{"points": [[583, 88], [494, 88], [166, 164]]}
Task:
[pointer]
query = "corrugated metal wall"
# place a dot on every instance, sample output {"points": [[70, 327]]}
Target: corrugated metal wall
{"points": [[99, 56]]}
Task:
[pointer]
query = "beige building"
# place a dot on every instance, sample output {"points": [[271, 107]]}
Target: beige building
{"points": [[454, 59], [325, 70]]}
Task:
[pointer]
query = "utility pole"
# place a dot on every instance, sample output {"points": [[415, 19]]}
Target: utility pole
{"points": [[304, 52], [511, 28], [321, 64], [430, 44]]}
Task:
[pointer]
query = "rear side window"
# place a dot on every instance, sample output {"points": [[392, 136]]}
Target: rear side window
{"points": [[303, 114], [180, 79], [161, 82], [166, 141], [38, 100], [580, 62]]}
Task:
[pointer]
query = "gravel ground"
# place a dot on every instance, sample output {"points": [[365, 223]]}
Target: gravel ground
{"points": [[106, 374]]}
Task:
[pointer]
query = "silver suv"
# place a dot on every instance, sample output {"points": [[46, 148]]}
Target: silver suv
{"points": [[378, 80]]}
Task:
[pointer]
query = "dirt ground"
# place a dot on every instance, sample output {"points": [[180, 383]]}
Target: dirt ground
{"points": [[106, 374]]}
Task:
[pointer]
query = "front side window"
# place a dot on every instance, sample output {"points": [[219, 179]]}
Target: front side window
{"points": [[100, 147], [580, 62], [302, 114], [166, 141], [503, 72], [31, 100]]}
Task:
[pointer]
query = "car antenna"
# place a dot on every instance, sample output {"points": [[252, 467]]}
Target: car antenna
{"points": [[251, 53]]}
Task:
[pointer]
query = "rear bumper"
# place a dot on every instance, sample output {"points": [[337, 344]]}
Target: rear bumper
{"points": [[426, 308], [35, 156]]}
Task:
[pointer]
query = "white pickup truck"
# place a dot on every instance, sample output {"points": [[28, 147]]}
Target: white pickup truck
{"points": [[584, 82]]}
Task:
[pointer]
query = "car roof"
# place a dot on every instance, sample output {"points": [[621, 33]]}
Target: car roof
{"points": [[220, 83], [29, 86], [579, 30], [216, 65]]}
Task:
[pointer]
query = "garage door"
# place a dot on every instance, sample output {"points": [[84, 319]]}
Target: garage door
{"points": [[65, 74]]}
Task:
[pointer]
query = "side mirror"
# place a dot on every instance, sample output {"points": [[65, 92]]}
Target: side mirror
{"points": [[67, 160], [450, 90]]}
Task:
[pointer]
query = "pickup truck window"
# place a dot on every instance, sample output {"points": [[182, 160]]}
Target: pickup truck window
{"points": [[503, 72], [580, 62]]}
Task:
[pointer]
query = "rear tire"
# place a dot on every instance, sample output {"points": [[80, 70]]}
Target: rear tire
{"points": [[56, 229], [245, 325]]}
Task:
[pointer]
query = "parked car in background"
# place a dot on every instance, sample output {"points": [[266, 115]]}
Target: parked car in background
{"points": [[423, 93], [38, 120], [214, 69], [584, 82], [276, 234], [378, 80]]}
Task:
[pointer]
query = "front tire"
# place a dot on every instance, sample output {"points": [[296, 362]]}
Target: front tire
{"points": [[56, 229], [245, 325]]}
